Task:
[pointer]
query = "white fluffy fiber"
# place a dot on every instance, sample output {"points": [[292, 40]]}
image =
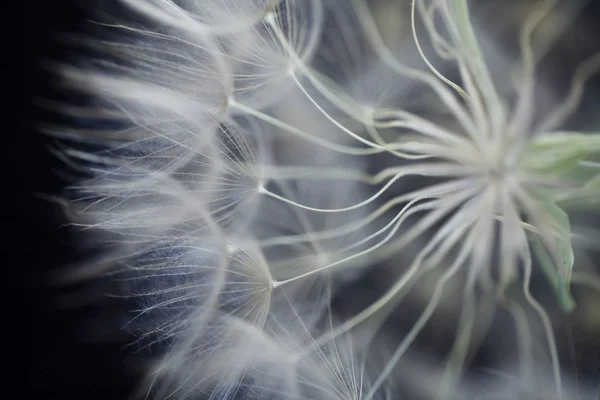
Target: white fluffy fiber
{"points": [[253, 158]]}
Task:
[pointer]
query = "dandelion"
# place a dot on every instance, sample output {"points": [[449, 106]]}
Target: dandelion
{"points": [[267, 151]]}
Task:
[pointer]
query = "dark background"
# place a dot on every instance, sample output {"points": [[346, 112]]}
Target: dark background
{"points": [[53, 349]]}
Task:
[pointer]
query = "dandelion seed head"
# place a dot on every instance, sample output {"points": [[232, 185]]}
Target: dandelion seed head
{"points": [[268, 153]]}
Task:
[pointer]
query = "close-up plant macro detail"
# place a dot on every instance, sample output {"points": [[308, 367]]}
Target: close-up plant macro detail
{"points": [[336, 199]]}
